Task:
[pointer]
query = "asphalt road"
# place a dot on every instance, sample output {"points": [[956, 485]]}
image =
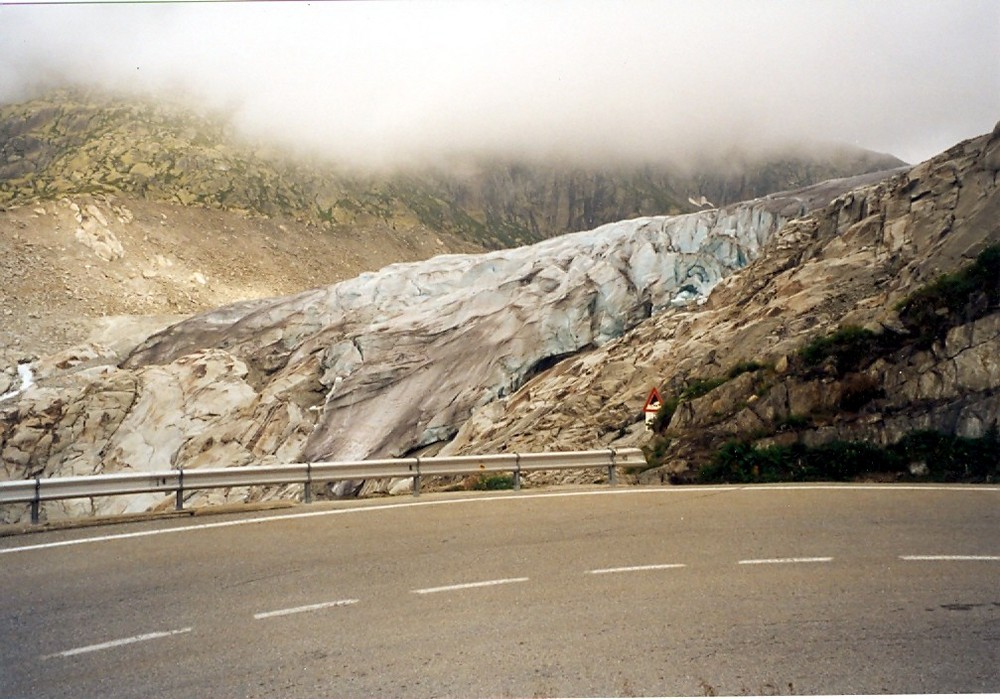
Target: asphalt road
{"points": [[674, 591]]}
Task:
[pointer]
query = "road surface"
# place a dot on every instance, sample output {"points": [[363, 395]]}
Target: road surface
{"points": [[605, 592]]}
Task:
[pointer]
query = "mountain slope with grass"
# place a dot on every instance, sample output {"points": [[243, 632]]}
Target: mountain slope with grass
{"points": [[75, 143]]}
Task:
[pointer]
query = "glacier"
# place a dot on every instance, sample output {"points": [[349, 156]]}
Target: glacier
{"points": [[396, 360]]}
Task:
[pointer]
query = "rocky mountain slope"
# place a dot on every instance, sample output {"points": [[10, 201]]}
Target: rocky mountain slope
{"points": [[807, 345], [379, 365], [787, 321], [110, 267]]}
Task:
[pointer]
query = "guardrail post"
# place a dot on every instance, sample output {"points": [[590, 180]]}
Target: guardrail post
{"points": [[179, 502], [517, 471], [309, 483], [612, 476], [36, 503], [416, 480]]}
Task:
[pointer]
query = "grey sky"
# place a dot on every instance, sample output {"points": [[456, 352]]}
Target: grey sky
{"points": [[382, 81]]}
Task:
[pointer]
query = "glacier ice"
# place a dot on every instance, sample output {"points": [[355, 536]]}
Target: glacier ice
{"points": [[405, 354]]}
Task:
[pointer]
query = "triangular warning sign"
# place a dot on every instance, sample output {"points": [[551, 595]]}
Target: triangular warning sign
{"points": [[653, 402]]}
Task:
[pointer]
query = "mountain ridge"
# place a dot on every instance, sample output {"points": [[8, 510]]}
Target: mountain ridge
{"points": [[72, 142]]}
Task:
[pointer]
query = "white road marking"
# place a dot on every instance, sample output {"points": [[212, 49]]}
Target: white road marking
{"points": [[116, 643], [950, 558], [760, 561], [466, 586], [629, 569], [306, 608], [671, 491]]}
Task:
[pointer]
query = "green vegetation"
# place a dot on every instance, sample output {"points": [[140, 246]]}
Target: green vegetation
{"points": [[655, 452], [946, 457], [71, 141], [928, 313], [849, 347], [858, 390], [793, 422], [663, 416], [744, 368], [494, 481], [696, 388], [953, 299]]}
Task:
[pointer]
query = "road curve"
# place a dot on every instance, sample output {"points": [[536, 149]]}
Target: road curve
{"points": [[610, 592]]}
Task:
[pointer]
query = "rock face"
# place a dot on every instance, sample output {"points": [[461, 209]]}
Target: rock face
{"points": [[379, 365], [88, 417], [75, 268], [847, 264]]}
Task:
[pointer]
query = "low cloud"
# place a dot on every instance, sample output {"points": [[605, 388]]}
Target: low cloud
{"points": [[379, 83]]}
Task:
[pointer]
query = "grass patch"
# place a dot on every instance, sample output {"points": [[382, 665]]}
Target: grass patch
{"points": [[744, 368]]}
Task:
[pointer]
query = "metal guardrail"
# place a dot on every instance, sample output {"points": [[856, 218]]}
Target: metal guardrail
{"points": [[181, 481]]}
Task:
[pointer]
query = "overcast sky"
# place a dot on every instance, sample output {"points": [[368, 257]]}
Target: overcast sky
{"points": [[380, 81]]}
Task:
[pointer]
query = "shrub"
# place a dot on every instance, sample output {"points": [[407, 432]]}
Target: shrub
{"points": [[952, 458], [741, 462], [698, 387], [948, 457], [494, 481], [953, 299], [857, 390], [850, 346], [744, 368], [793, 422], [655, 453], [663, 415]]}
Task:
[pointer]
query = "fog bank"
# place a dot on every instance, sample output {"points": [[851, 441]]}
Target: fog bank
{"points": [[382, 83]]}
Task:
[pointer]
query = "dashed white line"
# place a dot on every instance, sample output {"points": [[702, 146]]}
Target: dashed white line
{"points": [[306, 608], [466, 586], [629, 569], [760, 561], [116, 643], [950, 558]]}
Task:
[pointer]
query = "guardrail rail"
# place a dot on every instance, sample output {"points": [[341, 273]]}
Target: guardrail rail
{"points": [[181, 481]]}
